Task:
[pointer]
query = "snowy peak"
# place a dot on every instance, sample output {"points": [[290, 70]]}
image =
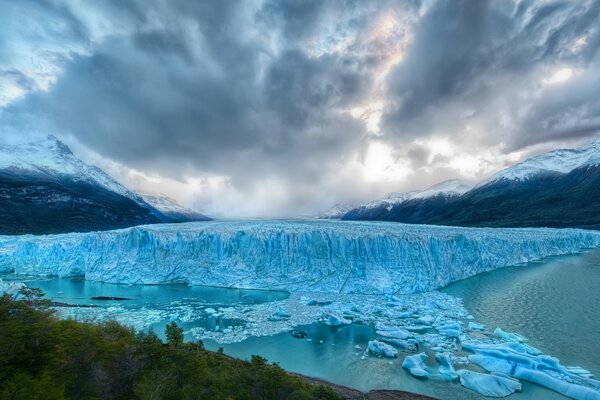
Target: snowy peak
{"points": [[335, 212], [453, 187], [172, 209], [561, 161], [54, 160]]}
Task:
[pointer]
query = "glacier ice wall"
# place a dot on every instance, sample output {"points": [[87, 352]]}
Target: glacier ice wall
{"points": [[322, 256]]}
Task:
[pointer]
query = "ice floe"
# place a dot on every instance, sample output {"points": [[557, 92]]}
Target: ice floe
{"points": [[416, 365], [378, 348], [491, 385]]}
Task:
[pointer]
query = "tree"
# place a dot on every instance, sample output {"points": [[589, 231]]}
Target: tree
{"points": [[174, 334]]}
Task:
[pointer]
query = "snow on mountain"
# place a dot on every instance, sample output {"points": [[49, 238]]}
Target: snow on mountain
{"points": [[335, 212], [561, 161], [172, 209], [318, 256], [452, 187], [53, 160]]}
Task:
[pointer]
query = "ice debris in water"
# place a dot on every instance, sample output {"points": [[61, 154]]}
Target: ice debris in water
{"points": [[476, 326], [334, 320], [416, 365], [9, 287], [524, 362], [509, 336], [446, 367], [492, 385], [378, 348]]}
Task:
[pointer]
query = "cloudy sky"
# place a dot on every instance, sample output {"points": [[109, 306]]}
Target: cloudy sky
{"points": [[280, 108]]}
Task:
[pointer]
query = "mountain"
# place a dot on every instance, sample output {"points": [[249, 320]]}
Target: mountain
{"points": [[335, 212], [410, 206], [557, 189], [45, 188], [172, 209]]}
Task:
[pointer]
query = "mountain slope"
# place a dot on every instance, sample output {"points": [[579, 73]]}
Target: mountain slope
{"points": [[557, 189], [44, 188], [172, 209], [335, 212], [410, 206]]}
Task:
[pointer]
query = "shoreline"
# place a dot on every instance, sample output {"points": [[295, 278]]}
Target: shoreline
{"points": [[354, 394]]}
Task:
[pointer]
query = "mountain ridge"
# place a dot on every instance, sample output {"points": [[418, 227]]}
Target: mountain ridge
{"points": [[45, 188], [558, 189]]}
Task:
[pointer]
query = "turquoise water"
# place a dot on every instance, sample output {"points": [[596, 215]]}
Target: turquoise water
{"points": [[554, 304]]}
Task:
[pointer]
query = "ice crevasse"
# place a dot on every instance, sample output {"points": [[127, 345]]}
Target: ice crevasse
{"points": [[318, 256]]}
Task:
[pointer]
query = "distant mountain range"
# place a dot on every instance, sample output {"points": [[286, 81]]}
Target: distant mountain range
{"points": [[172, 209], [557, 189], [45, 188], [335, 212]]}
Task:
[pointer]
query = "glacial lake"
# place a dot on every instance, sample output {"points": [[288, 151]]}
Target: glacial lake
{"points": [[554, 304]]}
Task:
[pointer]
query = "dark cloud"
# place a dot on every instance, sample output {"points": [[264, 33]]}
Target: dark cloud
{"points": [[267, 89], [472, 61], [163, 99]]}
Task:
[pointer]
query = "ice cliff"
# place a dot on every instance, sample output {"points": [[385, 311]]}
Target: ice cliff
{"points": [[318, 256]]}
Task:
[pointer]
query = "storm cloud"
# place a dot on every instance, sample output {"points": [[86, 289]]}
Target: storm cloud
{"points": [[289, 106]]}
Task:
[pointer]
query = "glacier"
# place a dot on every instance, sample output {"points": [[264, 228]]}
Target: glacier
{"points": [[313, 256]]}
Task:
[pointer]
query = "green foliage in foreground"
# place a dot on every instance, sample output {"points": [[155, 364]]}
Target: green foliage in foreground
{"points": [[42, 357]]}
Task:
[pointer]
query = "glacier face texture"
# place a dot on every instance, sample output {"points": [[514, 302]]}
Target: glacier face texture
{"points": [[318, 256]]}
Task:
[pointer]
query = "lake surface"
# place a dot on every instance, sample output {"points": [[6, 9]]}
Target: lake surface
{"points": [[554, 304]]}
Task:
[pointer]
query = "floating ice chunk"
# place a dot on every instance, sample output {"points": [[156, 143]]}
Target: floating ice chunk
{"points": [[488, 385], [404, 344], [446, 367], [416, 365], [334, 320], [516, 360], [210, 310], [281, 314], [513, 337], [450, 330], [476, 326], [378, 348], [417, 328], [426, 319], [580, 371], [396, 333]]}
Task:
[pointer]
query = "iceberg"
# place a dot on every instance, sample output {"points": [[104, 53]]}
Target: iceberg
{"points": [[416, 365], [312, 256], [524, 362], [378, 348], [334, 320], [446, 367], [491, 385]]}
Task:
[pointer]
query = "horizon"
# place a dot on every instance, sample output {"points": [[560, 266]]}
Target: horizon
{"points": [[308, 104]]}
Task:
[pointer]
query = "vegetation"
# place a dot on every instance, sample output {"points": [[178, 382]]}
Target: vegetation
{"points": [[42, 357]]}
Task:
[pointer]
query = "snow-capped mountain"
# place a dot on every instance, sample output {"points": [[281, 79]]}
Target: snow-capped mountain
{"points": [[45, 188], [561, 161], [452, 187], [172, 209], [438, 194], [557, 189], [53, 160], [335, 212]]}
